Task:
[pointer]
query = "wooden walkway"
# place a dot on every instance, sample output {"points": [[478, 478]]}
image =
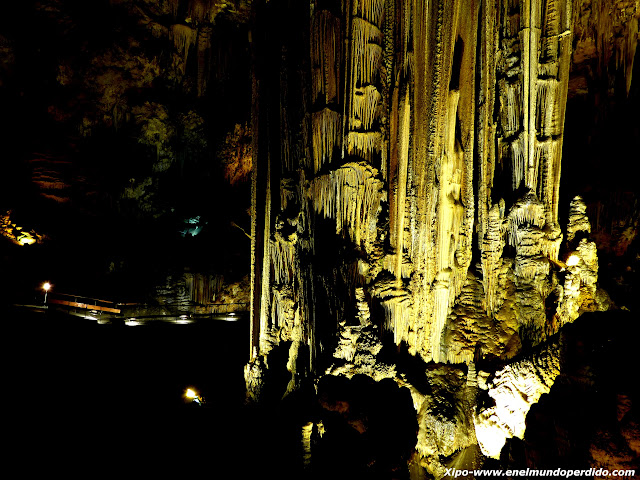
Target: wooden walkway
{"points": [[85, 303]]}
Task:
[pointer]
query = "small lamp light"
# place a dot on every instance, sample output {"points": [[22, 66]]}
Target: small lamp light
{"points": [[46, 286], [573, 260], [192, 395]]}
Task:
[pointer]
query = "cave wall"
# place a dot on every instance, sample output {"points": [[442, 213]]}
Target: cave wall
{"points": [[124, 133]]}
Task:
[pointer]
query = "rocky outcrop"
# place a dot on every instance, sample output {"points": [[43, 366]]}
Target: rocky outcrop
{"points": [[514, 389]]}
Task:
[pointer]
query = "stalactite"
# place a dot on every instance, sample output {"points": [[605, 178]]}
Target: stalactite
{"points": [[183, 38], [365, 107], [351, 195], [325, 126], [202, 288], [325, 56], [615, 27], [283, 251], [174, 5], [364, 144], [288, 192], [401, 186], [204, 54], [370, 10], [440, 312], [398, 315], [528, 211]]}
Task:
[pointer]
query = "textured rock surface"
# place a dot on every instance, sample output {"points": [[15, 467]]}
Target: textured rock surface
{"points": [[514, 389], [406, 195]]}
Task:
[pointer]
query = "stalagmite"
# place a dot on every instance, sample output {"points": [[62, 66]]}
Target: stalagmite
{"points": [[515, 389]]}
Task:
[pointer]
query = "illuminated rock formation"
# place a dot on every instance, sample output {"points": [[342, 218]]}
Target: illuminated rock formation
{"points": [[514, 389], [407, 160], [16, 233]]}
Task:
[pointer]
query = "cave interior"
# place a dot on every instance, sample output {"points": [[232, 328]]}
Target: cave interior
{"points": [[382, 238]]}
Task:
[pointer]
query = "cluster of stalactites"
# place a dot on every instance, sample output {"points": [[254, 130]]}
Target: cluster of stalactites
{"points": [[364, 138], [533, 63], [351, 195], [195, 29], [203, 11], [367, 51], [283, 255], [326, 133], [326, 59], [202, 288], [365, 107], [431, 149], [184, 37], [370, 10], [615, 28]]}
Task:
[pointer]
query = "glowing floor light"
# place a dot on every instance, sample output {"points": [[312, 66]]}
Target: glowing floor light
{"points": [[183, 320]]}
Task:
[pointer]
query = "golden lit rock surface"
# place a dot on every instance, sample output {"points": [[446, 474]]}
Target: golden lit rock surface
{"points": [[16, 233], [420, 184]]}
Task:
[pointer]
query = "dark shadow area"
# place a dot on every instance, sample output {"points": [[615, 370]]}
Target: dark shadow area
{"points": [[83, 395], [370, 429], [590, 417]]}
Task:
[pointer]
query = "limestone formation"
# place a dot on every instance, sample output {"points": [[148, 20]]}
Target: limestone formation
{"points": [[407, 163], [514, 389]]}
